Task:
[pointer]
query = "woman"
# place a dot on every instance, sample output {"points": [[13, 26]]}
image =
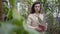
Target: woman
{"points": [[33, 18]]}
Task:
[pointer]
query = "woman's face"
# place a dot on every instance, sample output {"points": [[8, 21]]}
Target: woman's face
{"points": [[37, 8]]}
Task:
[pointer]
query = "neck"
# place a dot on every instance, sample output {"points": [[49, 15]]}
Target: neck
{"points": [[37, 13]]}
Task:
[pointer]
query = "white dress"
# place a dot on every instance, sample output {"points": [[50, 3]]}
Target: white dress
{"points": [[32, 22]]}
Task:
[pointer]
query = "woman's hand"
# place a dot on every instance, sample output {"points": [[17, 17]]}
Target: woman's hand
{"points": [[38, 29]]}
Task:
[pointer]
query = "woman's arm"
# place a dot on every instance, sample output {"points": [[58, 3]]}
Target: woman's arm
{"points": [[29, 21]]}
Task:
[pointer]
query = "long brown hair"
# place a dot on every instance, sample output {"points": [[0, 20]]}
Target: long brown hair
{"points": [[32, 8]]}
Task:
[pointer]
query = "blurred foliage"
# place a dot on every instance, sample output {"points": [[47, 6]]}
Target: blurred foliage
{"points": [[49, 7], [14, 21]]}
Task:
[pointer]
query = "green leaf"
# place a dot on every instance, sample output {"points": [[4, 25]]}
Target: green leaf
{"points": [[12, 2]]}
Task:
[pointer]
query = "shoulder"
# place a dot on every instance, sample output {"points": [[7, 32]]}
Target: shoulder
{"points": [[41, 14], [30, 15]]}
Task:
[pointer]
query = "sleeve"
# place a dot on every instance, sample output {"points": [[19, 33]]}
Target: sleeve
{"points": [[29, 21]]}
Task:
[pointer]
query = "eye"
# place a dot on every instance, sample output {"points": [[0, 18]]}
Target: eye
{"points": [[37, 6]]}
